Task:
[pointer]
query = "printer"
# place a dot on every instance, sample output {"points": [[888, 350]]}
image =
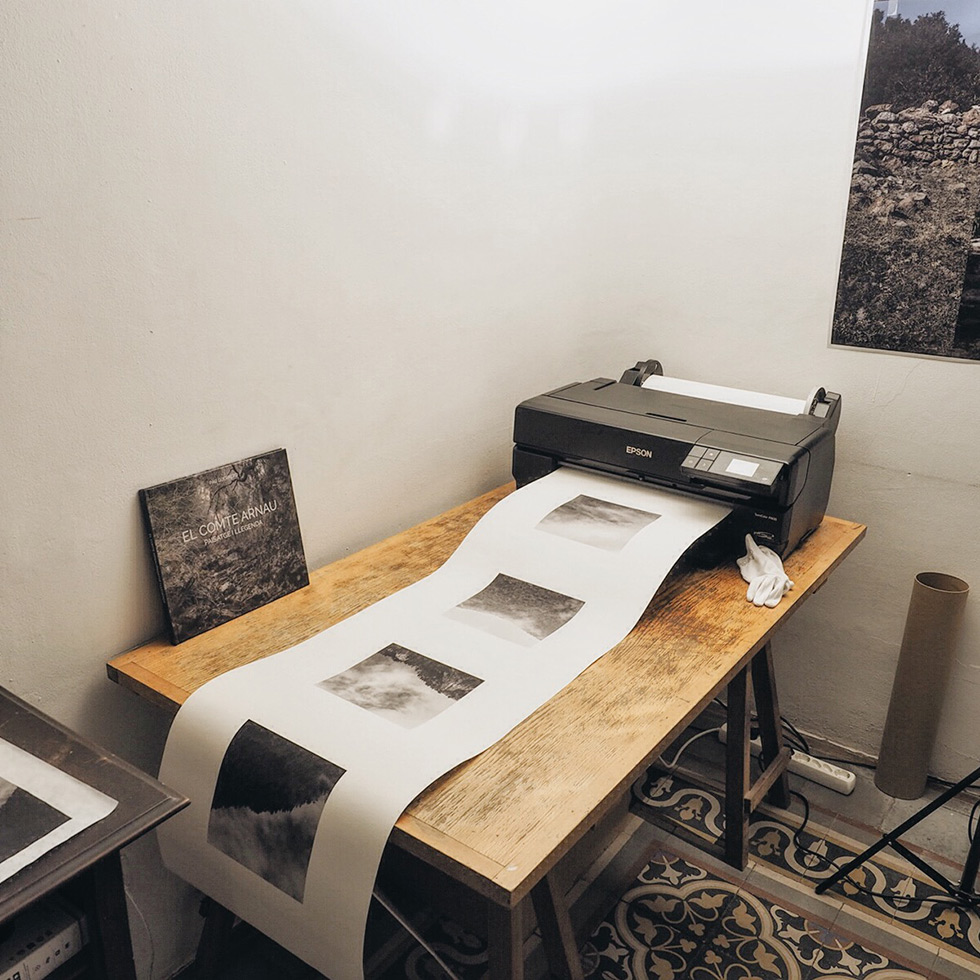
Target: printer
{"points": [[770, 458]]}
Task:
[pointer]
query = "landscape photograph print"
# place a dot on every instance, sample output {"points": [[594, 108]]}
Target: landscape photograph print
{"points": [[515, 610], [267, 803], [597, 523], [24, 819], [225, 541], [909, 278], [401, 685]]}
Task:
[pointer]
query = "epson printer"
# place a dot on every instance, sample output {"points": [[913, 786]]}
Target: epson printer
{"points": [[773, 465]]}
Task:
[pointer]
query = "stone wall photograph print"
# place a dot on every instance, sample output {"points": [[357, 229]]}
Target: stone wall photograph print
{"points": [[909, 279]]}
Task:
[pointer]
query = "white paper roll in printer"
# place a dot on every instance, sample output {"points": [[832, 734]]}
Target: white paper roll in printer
{"points": [[770, 457]]}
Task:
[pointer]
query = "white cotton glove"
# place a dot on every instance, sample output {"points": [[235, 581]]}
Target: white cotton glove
{"points": [[762, 569]]}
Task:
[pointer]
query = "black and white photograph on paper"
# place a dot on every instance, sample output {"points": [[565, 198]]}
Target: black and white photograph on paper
{"points": [[24, 819], [909, 278], [401, 685], [515, 610], [597, 523], [267, 802], [41, 806]]}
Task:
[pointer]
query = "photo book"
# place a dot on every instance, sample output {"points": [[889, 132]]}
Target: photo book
{"points": [[224, 542]]}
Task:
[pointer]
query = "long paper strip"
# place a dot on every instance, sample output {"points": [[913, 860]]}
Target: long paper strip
{"points": [[299, 765]]}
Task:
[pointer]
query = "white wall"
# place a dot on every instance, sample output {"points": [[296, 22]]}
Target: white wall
{"points": [[364, 232]]}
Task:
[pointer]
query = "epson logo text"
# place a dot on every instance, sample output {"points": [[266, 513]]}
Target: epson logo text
{"points": [[639, 452]]}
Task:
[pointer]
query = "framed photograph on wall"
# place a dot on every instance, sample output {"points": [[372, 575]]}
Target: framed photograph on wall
{"points": [[909, 279]]}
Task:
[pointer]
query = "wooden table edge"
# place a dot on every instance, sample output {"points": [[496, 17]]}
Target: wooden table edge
{"points": [[128, 671], [487, 876]]}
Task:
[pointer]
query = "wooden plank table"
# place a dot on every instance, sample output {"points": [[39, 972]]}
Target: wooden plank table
{"points": [[500, 823]]}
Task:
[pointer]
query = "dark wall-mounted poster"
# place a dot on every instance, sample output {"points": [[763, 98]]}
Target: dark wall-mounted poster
{"points": [[910, 267], [224, 541]]}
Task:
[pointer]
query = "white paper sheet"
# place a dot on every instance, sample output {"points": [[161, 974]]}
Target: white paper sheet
{"points": [[40, 808], [299, 765], [730, 396]]}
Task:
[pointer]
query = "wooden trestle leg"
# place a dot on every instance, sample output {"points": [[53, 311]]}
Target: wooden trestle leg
{"points": [[555, 924], [737, 758], [506, 935], [215, 939], [770, 724], [742, 796], [505, 943]]}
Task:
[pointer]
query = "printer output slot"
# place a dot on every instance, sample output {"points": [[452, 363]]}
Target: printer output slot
{"points": [[591, 467], [719, 493], [695, 486], [669, 418]]}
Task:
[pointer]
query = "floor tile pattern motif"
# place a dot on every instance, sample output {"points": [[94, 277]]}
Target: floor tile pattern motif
{"points": [[462, 951], [680, 922], [898, 893]]}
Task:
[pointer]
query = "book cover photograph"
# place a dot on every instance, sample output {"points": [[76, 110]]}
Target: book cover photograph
{"points": [[224, 542]]}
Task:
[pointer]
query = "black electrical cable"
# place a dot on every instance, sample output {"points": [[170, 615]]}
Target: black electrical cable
{"points": [[832, 866], [792, 728], [850, 762], [795, 743], [791, 733], [796, 740]]}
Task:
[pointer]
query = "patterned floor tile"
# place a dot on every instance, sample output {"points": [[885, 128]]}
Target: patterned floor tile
{"points": [[678, 922], [909, 946], [462, 951], [886, 888], [771, 884]]}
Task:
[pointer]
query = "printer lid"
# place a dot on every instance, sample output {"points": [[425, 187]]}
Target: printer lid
{"points": [[741, 420]]}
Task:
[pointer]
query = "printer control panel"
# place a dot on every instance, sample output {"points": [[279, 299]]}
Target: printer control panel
{"points": [[702, 460]]}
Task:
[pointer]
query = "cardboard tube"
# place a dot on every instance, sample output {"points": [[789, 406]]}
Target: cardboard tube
{"points": [[931, 630]]}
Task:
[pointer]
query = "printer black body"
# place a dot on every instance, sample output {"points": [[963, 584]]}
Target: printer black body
{"points": [[774, 469]]}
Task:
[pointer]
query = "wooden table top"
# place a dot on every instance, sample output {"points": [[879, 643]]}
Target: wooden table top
{"points": [[142, 802], [502, 820]]}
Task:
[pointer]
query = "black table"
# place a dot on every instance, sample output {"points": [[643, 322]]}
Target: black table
{"points": [[86, 868]]}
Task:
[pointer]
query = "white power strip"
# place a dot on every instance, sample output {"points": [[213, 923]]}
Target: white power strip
{"points": [[809, 767], [43, 938]]}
